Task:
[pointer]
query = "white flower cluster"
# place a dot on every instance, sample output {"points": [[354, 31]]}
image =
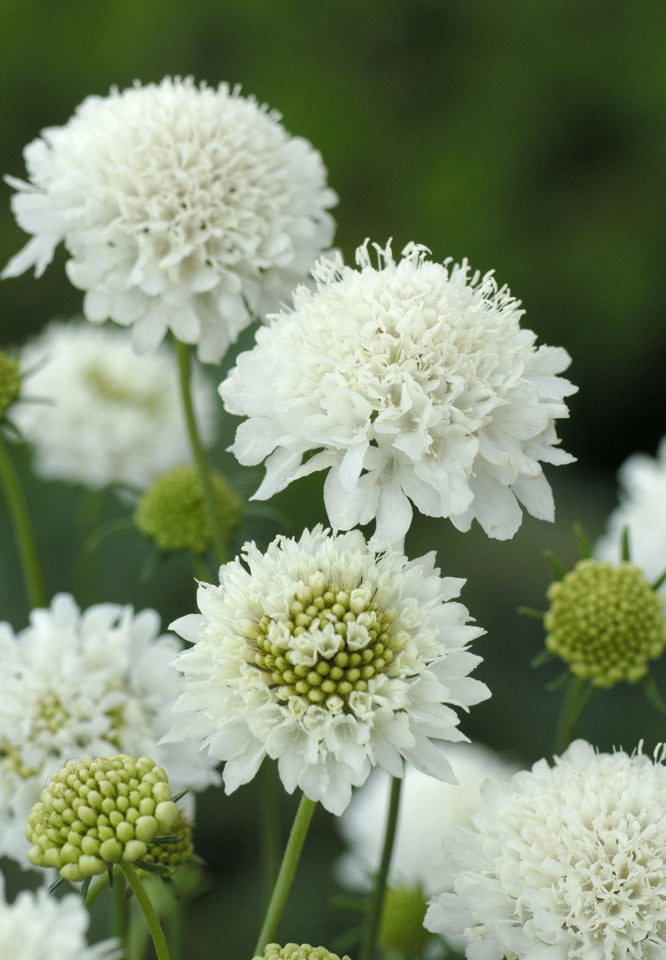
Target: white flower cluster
{"points": [[181, 206], [37, 926], [410, 382], [329, 659], [563, 863], [94, 682], [642, 511], [103, 414]]}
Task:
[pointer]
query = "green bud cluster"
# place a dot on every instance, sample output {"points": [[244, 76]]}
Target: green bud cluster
{"points": [[164, 856], [606, 622], [401, 927], [172, 511], [361, 645], [10, 381], [97, 811], [296, 951]]}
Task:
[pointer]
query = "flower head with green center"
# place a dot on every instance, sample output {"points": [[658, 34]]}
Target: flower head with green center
{"points": [[98, 682], [297, 951], [330, 659], [606, 622], [410, 382], [10, 381], [106, 416], [171, 512], [98, 811], [567, 861], [181, 206]]}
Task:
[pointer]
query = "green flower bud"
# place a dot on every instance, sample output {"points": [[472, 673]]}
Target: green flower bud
{"points": [[89, 817], [10, 381], [295, 951], [172, 511], [401, 927], [164, 857], [606, 622]]}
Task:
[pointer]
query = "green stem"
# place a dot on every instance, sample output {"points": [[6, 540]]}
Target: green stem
{"points": [[578, 695], [377, 901], [200, 462], [120, 910], [270, 836], [149, 912], [32, 574], [286, 875]]}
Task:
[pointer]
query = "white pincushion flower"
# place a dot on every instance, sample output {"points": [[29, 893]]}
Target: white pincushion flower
{"points": [[108, 416], [95, 682], [563, 863], [330, 660], [37, 926], [414, 383], [182, 207], [429, 810], [642, 511]]}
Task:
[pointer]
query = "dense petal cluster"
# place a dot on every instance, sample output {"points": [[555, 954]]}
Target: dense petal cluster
{"points": [[331, 660], [181, 206], [105, 415], [37, 926], [563, 863], [97, 812], [642, 512], [93, 682], [410, 382], [606, 622], [297, 951]]}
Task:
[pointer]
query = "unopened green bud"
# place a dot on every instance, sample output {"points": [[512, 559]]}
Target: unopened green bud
{"points": [[296, 951], [172, 511], [164, 856], [88, 816], [606, 622], [401, 928], [10, 381]]}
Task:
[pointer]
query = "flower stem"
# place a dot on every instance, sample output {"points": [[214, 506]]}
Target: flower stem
{"points": [[201, 464], [377, 902], [32, 574], [149, 912], [578, 695], [270, 826], [286, 875]]}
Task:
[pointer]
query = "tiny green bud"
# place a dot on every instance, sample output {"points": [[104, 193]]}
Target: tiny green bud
{"points": [[172, 512], [401, 927]]}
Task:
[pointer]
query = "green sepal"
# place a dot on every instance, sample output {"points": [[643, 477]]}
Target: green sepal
{"points": [[157, 868], [57, 883], [659, 581], [85, 886], [169, 838], [556, 564], [625, 549], [531, 612], [584, 548], [179, 796], [558, 681], [543, 656], [653, 694]]}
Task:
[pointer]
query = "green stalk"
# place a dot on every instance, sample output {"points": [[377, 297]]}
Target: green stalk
{"points": [[577, 696], [287, 872], [149, 912], [200, 462], [270, 837], [32, 574], [377, 902]]}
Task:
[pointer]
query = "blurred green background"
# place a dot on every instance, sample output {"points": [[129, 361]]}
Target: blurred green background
{"points": [[528, 137]]}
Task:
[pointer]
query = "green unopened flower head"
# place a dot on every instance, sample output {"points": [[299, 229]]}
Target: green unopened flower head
{"points": [[98, 811], [167, 853], [401, 928], [10, 381], [297, 951], [606, 622], [172, 511]]}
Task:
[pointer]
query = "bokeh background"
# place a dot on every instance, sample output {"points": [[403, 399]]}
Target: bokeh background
{"points": [[528, 137]]}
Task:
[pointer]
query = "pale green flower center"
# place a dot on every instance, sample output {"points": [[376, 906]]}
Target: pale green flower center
{"points": [[606, 622], [119, 391], [329, 649], [297, 951], [401, 927]]}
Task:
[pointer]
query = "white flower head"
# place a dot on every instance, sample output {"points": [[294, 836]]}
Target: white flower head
{"points": [[429, 810], [413, 383], [37, 926], [105, 415], [95, 682], [563, 863], [181, 206], [641, 511], [330, 660]]}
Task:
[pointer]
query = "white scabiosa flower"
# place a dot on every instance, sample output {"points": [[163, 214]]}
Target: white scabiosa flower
{"points": [[181, 206], [429, 810], [412, 382], [641, 511], [95, 682], [563, 863], [107, 416], [330, 660], [37, 926]]}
